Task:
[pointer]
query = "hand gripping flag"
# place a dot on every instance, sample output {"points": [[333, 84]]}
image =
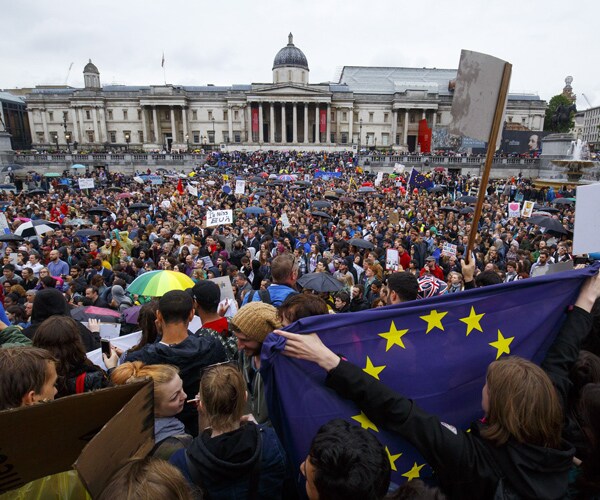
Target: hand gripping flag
{"points": [[434, 351]]}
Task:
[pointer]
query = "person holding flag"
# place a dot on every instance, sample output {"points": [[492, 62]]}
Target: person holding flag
{"points": [[516, 450]]}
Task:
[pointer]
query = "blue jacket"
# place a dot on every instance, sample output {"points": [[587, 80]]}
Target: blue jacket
{"points": [[224, 466], [277, 292]]}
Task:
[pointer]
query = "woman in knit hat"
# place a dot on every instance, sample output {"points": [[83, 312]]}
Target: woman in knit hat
{"points": [[251, 324]]}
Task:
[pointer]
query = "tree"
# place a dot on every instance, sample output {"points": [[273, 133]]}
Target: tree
{"points": [[554, 103]]}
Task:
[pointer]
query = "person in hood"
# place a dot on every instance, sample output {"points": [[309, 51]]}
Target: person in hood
{"points": [[516, 450], [51, 302], [233, 457]]}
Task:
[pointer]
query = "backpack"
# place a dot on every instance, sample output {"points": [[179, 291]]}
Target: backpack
{"points": [[264, 296]]}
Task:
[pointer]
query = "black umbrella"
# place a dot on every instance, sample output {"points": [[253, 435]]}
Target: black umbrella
{"points": [[11, 237], [321, 214], [360, 243], [320, 282], [552, 210], [550, 224], [347, 199], [36, 191], [11, 167], [257, 178], [359, 202], [88, 233], [331, 196], [322, 204], [437, 189], [366, 189], [114, 188], [563, 201], [99, 210], [467, 210], [339, 191], [139, 206], [467, 199], [303, 183], [36, 228], [449, 209]]}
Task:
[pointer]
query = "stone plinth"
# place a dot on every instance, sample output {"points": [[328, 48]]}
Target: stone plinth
{"points": [[7, 155]]}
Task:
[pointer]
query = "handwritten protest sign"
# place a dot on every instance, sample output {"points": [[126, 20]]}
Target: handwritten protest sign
{"points": [[392, 259], [527, 209], [218, 217], [240, 186], [449, 249], [86, 183], [514, 209]]}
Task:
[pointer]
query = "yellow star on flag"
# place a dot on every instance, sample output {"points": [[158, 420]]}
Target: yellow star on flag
{"points": [[364, 422], [434, 320], [502, 344], [394, 337], [373, 370], [472, 321], [392, 458], [414, 473]]}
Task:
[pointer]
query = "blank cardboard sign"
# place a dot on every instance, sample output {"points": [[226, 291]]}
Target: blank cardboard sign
{"points": [[586, 237], [44, 439]]}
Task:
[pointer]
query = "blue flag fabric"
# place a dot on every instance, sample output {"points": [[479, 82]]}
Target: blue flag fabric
{"points": [[418, 180], [434, 351]]}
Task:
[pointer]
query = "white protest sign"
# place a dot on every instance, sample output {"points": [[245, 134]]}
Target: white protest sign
{"points": [[225, 287], [218, 217], [193, 190], [514, 209], [125, 342], [449, 249], [86, 183], [285, 220], [379, 178], [586, 236], [527, 209], [4, 227], [240, 186], [392, 259]]}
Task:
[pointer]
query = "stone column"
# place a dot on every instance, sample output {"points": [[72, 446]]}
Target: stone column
{"points": [[317, 125], [272, 123], [424, 114], [184, 121], [283, 128], [295, 124], [155, 137], [350, 125], [405, 138], [145, 126], [45, 125], [103, 125], [433, 118], [95, 118], [75, 127], [243, 123], [306, 123], [394, 125], [82, 123], [173, 127], [328, 122], [230, 123], [261, 135]]}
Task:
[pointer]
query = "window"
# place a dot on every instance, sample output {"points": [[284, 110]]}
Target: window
{"points": [[385, 139], [113, 136], [411, 117], [211, 136], [40, 137], [355, 117], [141, 137], [196, 137], [124, 114], [371, 117], [225, 137], [110, 114], [225, 115], [51, 116], [210, 115], [90, 135], [88, 115], [344, 137], [397, 139], [194, 114], [386, 117], [236, 115], [332, 117], [332, 137], [344, 116], [139, 113], [237, 136], [167, 115]]}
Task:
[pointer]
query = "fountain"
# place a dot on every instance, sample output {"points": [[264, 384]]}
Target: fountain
{"points": [[580, 160]]}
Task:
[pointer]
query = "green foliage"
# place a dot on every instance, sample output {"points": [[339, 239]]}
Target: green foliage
{"points": [[554, 103]]}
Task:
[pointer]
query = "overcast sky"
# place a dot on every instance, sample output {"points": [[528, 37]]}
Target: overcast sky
{"points": [[226, 42]]}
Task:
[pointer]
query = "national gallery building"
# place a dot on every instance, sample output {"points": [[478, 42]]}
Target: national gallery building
{"points": [[407, 109]]}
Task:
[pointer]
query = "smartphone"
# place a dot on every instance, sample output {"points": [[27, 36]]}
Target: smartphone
{"points": [[105, 344]]}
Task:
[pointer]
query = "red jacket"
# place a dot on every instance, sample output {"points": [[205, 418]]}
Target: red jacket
{"points": [[437, 271]]}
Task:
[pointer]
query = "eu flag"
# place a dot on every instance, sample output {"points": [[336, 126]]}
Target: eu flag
{"points": [[434, 351], [418, 180]]}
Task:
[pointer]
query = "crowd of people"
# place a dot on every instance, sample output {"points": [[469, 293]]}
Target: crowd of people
{"points": [[311, 234]]}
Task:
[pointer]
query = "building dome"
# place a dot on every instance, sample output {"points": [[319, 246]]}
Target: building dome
{"points": [[290, 56], [91, 68]]}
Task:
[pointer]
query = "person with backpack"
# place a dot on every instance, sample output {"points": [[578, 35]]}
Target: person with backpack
{"points": [[284, 273]]}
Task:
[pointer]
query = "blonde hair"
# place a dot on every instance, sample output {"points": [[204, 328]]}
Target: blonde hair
{"points": [[523, 404], [134, 371], [223, 396], [142, 478]]}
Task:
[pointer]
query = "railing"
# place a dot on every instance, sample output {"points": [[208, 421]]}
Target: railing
{"points": [[449, 160]]}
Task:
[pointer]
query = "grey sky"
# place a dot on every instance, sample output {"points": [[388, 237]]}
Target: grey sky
{"points": [[234, 41]]}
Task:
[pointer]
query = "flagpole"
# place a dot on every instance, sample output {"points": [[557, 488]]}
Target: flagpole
{"points": [[489, 157]]}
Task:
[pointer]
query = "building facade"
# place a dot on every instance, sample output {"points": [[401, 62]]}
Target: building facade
{"points": [[367, 107], [14, 120], [590, 131]]}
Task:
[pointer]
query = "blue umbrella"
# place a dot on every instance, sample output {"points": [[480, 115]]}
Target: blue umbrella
{"points": [[254, 210], [78, 165]]}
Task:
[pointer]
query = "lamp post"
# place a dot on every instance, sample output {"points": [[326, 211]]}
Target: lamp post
{"points": [[359, 136], [187, 141], [56, 140], [213, 123], [68, 139], [127, 140]]}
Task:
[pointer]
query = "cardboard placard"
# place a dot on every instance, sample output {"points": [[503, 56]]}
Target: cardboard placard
{"points": [[394, 217], [514, 209], [392, 259], [218, 217], [86, 183], [224, 285], [4, 227], [527, 209], [379, 178], [240, 186], [47, 438], [193, 190], [586, 235], [449, 249], [285, 221]]}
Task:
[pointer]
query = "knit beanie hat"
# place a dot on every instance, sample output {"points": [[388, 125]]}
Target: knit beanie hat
{"points": [[256, 320]]}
